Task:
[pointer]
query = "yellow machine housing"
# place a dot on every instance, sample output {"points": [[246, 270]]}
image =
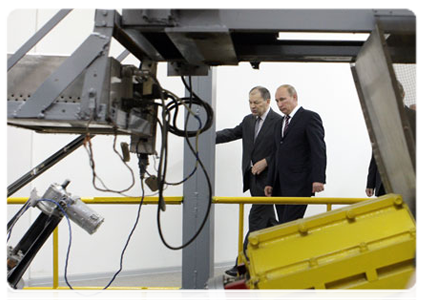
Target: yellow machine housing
{"points": [[368, 245]]}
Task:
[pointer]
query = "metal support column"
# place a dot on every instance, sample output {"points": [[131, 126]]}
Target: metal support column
{"points": [[198, 257]]}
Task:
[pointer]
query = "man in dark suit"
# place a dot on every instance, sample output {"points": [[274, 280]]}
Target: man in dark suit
{"points": [[299, 166], [256, 131], [374, 182]]}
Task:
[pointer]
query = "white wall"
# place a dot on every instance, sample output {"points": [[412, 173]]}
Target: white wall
{"points": [[325, 88]]}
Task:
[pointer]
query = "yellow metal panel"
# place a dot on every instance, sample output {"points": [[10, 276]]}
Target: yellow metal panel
{"points": [[366, 245]]}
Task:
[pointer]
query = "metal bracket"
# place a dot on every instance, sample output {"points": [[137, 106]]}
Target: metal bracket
{"points": [[105, 18], [149, 17], [145, 144], [93, 82], [184, 69]]}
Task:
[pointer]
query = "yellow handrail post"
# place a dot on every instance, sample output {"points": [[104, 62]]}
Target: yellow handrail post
{"points": [[328, 207], [241, 232], [56, 258]]}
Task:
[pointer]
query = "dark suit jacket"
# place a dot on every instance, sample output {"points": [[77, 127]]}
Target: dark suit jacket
{"points": [[300, 156], [252, 151], [373, 178]]}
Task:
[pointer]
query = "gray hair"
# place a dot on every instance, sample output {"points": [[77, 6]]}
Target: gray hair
{"points": [[265, 94]]}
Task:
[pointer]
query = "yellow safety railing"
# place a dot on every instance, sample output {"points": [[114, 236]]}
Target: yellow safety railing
{"points": [[96, 200], [277, 200], [177, 201]]}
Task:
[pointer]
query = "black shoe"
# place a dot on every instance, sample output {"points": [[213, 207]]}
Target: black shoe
{"points": [[232, 271]]}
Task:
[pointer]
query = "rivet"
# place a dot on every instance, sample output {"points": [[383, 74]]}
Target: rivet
{"points": [[398, 201], [253, 240], [302, 228], [363, 247], [351, 214]]}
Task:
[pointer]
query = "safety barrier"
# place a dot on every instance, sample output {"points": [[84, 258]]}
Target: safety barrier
{"points": [[278, 200], [328, 201]]}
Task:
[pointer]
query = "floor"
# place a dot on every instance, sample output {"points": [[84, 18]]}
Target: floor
{"points": [[152, 280]]}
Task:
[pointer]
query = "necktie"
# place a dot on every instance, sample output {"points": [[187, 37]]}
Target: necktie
{"points": [[286, 125], [257, 127]]}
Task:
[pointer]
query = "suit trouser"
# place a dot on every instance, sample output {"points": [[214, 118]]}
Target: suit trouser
{"points": [[261, 215], [287, 212]]}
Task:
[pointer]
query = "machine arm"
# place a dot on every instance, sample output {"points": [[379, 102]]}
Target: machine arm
{"points": [[54, 204]]}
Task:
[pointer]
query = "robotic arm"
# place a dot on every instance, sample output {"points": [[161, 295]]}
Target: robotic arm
{"points": [[54, 205]]}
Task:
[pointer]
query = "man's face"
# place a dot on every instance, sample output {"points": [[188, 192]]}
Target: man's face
{"points": [[285, 101], [258, 105]]}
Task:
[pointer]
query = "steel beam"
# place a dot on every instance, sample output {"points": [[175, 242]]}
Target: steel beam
{"points": [[201, 45], [299, 51], [196, 37], [390, 130], [137, 44], [262, 20], [198, 257], [45, 165]]}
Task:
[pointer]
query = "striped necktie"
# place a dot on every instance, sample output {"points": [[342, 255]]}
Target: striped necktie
{"points": [[257, 127], [286, 125]]}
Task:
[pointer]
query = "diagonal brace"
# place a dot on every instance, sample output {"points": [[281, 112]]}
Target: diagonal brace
{"points": [[93, 47]]}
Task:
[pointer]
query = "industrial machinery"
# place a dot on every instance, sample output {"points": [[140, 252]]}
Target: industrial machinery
{"points": [[55, 203], [370, 245], [92, 93]]}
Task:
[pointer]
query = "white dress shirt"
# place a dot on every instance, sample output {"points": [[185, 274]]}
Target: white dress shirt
{"points": [[291, 115]]}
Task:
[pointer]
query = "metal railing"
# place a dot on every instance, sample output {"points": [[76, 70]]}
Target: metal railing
{"points": [[242, 201], [277, 200]]}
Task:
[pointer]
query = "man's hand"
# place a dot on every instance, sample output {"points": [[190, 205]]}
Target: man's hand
{"points": [[259, 167], [369, 192], [318, 187], [268, 191]]}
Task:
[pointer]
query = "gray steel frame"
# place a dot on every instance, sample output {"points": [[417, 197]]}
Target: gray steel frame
{"points": [[190, 37], [310, 20], [92, 57], [198, 257], [393, 144], [86, 74]]}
